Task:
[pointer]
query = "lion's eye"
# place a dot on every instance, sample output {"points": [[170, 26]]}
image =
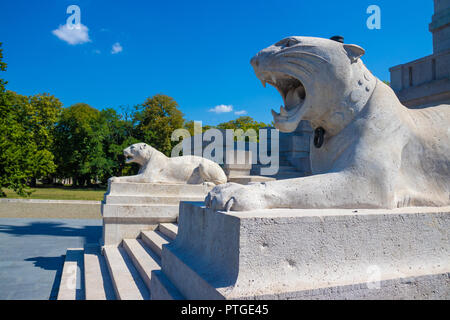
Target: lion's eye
{"points": [[289, 42]]}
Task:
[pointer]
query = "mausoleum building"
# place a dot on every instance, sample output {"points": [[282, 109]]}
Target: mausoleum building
{"points": [[426, 81]]}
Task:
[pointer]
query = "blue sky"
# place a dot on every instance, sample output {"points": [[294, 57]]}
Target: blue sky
{"points": [[197, 52]]}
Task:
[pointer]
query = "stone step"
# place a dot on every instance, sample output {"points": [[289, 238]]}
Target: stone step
{"points": [[155, 240], [163, 289], [143, 259], [97, 281], [152, 200], [128, 284], [154, 189], [170, 230], [70, 287], [192, 284]]}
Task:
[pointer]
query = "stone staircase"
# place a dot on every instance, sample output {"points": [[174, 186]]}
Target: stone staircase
{"points": [[129, 208], [122, 272]]}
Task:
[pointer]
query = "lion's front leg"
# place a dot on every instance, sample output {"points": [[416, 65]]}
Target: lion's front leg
{"points": [[237, 197], [140, 178], [332, 190]]}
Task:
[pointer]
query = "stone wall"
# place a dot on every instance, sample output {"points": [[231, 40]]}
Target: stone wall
{"points": [[440, 26], [424, 81]]}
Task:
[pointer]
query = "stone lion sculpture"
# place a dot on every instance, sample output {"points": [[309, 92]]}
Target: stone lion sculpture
{"points": [[158, 168], [371, 152]]}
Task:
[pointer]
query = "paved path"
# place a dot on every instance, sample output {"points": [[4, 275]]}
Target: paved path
{"points": [[32, 254], [51, 209]]}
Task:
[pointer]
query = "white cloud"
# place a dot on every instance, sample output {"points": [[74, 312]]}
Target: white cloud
{"points": [[240, 113], [116, 48], [73, 36], [222, 109]]}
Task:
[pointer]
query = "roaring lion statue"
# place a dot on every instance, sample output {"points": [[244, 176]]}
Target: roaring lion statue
{"points": [[369, 150], [158, 168]]}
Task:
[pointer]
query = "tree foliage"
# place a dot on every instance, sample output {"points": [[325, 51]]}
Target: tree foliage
{"points": [[189, 125], [39, 138], [2, 68], [78, 147], [26, 138], [245, 123], [156, 119], [119, 135]]}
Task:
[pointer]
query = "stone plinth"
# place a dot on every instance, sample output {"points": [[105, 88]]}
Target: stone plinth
{"points": [[129, 208], [238, 163], [310, 254]]}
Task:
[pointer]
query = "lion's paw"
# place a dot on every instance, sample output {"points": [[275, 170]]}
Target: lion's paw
{"points": [[236, 197], [113, 179]]}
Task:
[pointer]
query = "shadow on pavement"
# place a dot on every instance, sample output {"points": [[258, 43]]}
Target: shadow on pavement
{"points": [[81, 234], [89, 233], [50, 263]]}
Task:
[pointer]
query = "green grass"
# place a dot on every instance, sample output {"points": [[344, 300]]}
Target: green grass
{"points": [[60, 193]]}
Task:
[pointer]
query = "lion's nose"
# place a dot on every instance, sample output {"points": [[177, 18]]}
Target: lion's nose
{"points": [[254, 62]]}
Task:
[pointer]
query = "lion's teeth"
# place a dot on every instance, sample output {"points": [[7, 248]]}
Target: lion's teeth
{"points": [[263, 83], [275, 114], [274, 80], [279, 117]]}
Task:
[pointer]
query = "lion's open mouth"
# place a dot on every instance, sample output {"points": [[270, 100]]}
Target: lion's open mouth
{"points": [[128, 157], [291, 90]]}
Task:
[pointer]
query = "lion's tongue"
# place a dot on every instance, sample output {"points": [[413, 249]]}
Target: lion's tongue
{"points": [[294, 97]]}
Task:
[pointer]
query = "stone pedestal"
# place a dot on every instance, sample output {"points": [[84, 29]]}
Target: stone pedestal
{"points": [[238, 163], [129, 208], [310, 254], [295, 147], [238, 166]]}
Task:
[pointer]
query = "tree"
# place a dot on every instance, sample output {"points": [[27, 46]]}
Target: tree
{"points": [[2, 68], [189, 125], [245, 123], [156, 119], [120, 130], [79, 137], [42, 115], [26, 137], [16, 146], [26, 130]]}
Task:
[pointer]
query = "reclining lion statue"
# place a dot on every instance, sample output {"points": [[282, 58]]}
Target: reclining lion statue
{"points": [[158, 168], [371, 151]]}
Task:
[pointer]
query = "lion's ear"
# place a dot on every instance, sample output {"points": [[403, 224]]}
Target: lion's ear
{"points": [[354, 52], [143, 146]]}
